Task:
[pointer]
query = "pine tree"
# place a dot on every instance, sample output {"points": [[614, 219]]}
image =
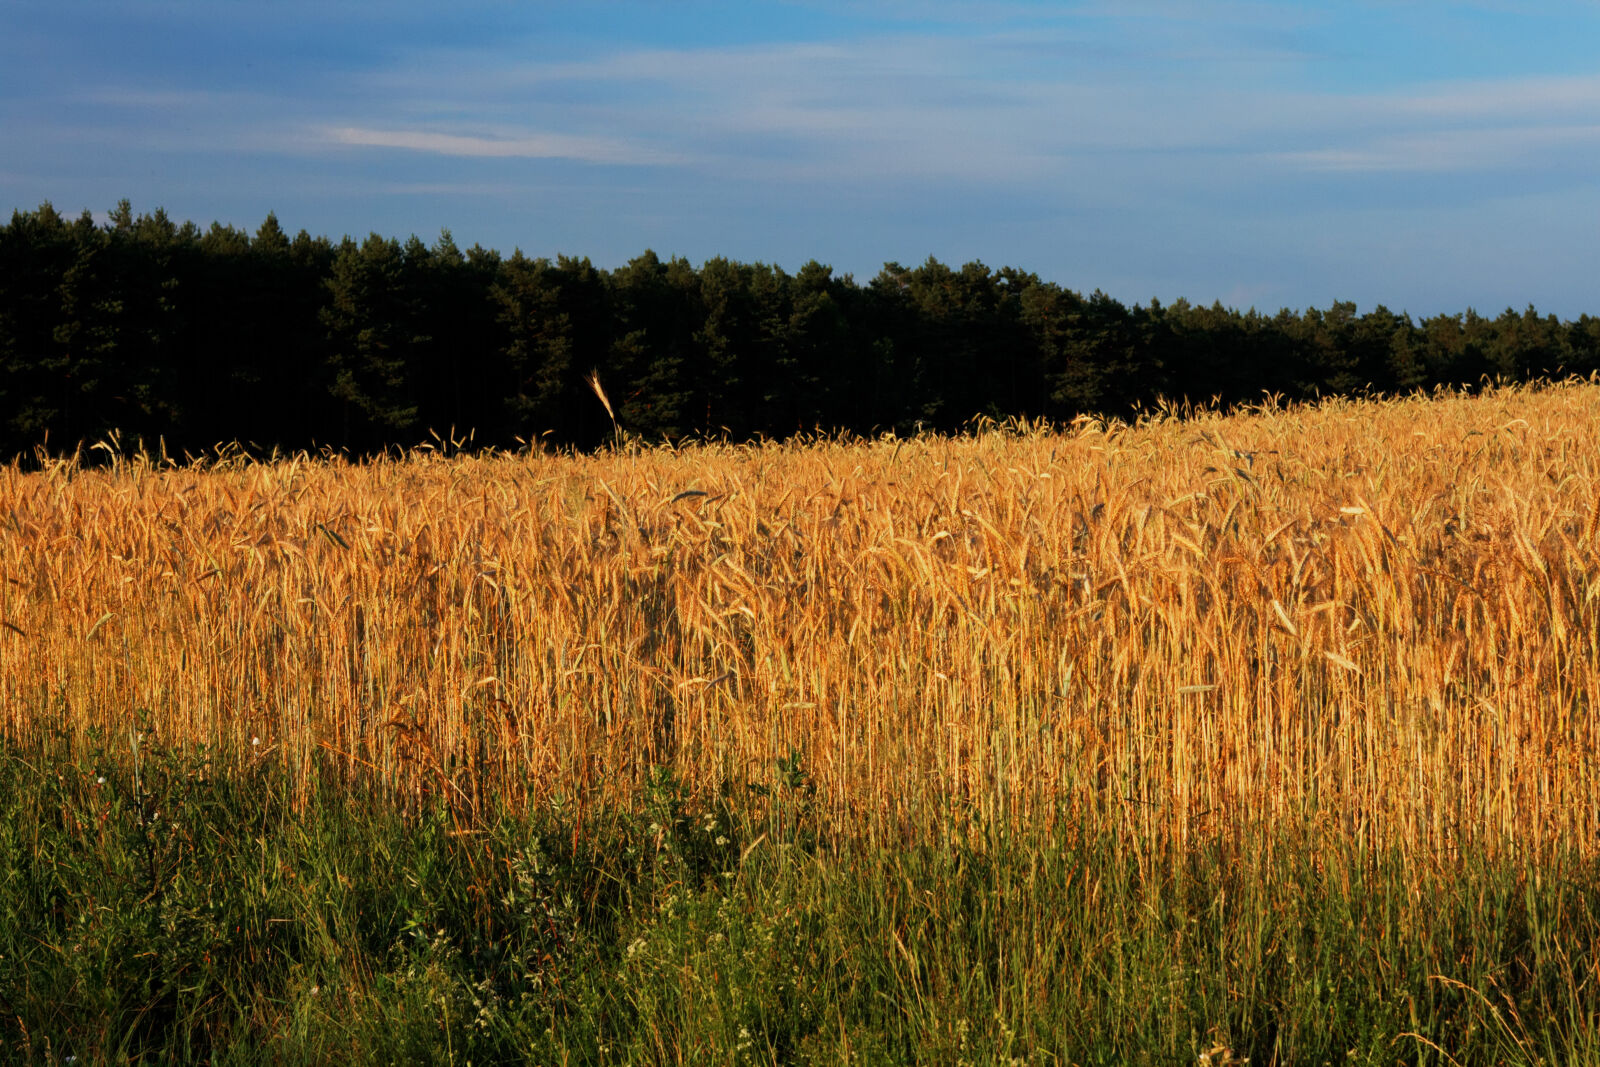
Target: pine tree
{"points": [[370, 342]]}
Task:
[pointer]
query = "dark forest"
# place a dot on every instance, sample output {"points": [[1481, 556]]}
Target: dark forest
{"points": [[161, 332]]}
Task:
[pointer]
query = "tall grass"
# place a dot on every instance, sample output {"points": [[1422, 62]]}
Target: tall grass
{"points": [[151, 912], [1378, 619]]}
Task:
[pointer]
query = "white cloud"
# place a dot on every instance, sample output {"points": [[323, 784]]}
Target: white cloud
{"points": [[517, 146], [1503, 148], [1533, 98], [501, 189], [1003, 108], [932, 107]]}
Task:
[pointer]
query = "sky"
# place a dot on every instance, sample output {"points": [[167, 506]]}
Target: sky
{"points": [[1427, 156]]}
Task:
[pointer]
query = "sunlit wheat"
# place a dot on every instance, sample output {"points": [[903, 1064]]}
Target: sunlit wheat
{"points": [[1381, 618]]}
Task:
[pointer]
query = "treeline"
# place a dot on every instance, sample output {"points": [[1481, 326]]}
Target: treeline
{"points": [[158, 330]]}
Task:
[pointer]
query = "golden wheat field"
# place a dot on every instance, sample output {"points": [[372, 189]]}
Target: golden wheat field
{"points": [[1382, 619]]}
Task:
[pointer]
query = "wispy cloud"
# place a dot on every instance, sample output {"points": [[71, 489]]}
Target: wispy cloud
{"points": [[494, 189], [518, 146], [1504, 148], [1534, 98], [999, 107], [856, 111], [959, 107]]}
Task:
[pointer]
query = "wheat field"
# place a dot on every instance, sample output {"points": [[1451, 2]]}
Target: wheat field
{"points": [[1379, 619]]}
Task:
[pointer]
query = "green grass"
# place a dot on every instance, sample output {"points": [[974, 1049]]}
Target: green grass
{"points": [[167, 914]]}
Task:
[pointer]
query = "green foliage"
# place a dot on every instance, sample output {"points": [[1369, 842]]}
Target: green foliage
{"points": [[373, 341], [152, 910], [164, 331]]}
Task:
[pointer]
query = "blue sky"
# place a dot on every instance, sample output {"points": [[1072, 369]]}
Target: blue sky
{"points": [[1428, 156]]}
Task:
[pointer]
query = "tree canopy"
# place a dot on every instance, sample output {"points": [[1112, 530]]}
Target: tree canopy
{"points": [[157, 330]]}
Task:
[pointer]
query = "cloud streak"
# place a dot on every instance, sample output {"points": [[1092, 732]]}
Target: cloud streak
{"points": [[940, 107], [1456, 151], [516, 146], [925, 108]]}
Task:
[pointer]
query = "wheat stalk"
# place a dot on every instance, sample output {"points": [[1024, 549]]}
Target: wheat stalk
{"points": [[592, 379], [1010, 626]]}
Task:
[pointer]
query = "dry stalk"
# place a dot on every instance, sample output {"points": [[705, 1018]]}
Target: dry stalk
{"points": [[1387, 628]]}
